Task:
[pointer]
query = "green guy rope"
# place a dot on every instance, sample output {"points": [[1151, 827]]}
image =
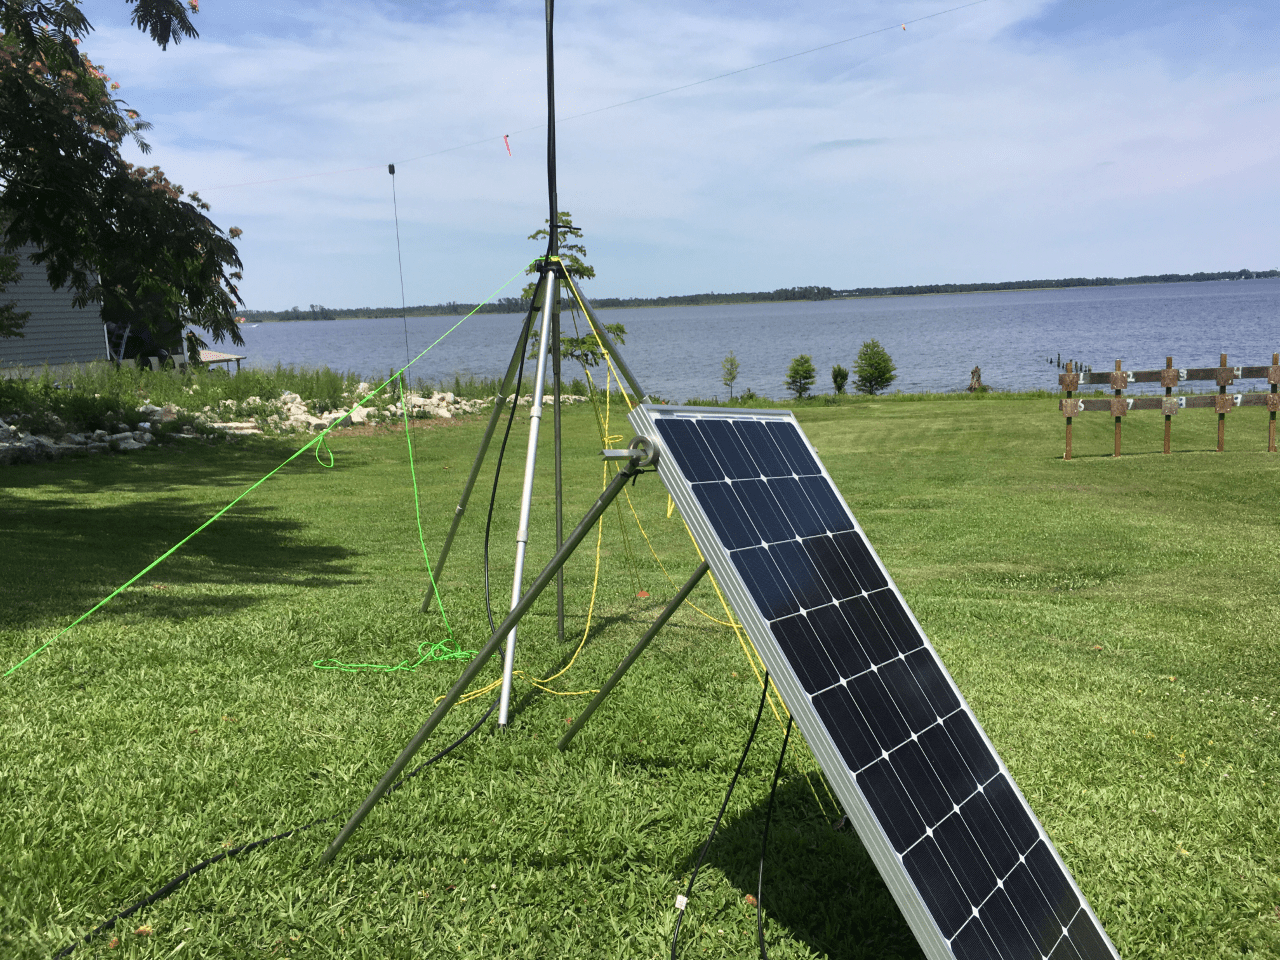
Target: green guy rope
{"points": [[317, 443], [446, 649]]}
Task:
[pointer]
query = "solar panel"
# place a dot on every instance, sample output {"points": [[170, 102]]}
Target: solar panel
{"points": [[972, 869]]}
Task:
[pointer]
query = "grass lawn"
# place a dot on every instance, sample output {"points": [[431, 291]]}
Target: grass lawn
{"points": [[1114, 623]]}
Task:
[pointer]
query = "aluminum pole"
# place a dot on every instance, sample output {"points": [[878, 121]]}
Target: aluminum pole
{"points": [[526, 496], [505, 390], [559, 451]]}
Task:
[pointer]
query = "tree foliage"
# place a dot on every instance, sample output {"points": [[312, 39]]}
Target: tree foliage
{"points": [[801, 375], [839, 377], [874, 368], [113, 233], [571, 254], [729, 372], [586, 350]]}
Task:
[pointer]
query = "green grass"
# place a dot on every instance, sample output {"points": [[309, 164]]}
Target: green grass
{"points": [[1114, 624]]}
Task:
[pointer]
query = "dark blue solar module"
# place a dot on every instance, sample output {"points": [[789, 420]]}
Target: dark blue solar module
{"points": [[976, 876]]}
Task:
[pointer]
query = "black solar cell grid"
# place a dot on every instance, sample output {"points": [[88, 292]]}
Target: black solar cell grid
{"points": [[911, 751]]}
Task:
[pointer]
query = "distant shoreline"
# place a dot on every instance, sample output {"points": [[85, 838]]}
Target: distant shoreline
{"points": [[507, 305]]}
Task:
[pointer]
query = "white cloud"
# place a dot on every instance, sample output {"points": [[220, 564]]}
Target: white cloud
{"points": [[968, 147]]}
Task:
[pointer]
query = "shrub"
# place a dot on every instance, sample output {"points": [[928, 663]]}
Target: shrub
{"points": [[729, 372], [801, 375], [839, 377], [874, 368]]}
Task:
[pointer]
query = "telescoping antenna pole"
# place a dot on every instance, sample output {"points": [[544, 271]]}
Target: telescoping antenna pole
{"points": [[526, 496], [551, 290]]}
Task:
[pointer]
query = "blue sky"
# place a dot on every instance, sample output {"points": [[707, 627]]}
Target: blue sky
{"points": [[1011, 139]]}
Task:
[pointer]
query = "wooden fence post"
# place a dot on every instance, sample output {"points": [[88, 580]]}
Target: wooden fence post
{"points": [[1070, 382], [1273, 401], [1115, 384], [1167, 379], [1222, 392]]}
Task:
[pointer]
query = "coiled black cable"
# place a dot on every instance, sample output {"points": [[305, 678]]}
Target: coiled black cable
{"points": [[764, 844], [680, 906], [525, 332]]}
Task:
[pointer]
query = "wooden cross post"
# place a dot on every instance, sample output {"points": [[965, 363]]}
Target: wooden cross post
{"points": [[1118, 382], [1070, 381], [1168, 377], [1273, 401]]}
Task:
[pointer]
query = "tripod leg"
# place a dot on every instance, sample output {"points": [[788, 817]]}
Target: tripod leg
{"points": [[555, 376], [609, 345], [624, 477], [630, 658], [504, 392]]}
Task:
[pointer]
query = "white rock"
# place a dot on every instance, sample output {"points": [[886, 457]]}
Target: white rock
{"points": [[120, 437], [288, 396], [130, 444], [359, 415]]}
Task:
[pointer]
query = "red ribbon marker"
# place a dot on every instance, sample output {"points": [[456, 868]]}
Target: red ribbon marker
{"points": [[506, 143]]}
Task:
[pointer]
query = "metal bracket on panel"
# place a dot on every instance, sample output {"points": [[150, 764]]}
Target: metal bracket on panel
{"points": [[640, 449]]}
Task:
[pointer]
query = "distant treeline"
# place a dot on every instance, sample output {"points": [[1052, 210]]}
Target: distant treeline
{"points": [[1068, 282], [519, 305]]}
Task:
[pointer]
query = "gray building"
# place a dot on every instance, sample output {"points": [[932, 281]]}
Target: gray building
{"points": [[57, 334]]}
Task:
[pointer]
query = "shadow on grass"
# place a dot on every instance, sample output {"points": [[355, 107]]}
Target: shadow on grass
{"points": [[820, 885], [63, 556]]}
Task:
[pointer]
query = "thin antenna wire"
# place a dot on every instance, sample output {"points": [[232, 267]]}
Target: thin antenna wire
{"points": [[391, 169]]}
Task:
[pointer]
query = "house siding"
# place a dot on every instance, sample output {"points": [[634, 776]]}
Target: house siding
{"points": [[57, 332]]}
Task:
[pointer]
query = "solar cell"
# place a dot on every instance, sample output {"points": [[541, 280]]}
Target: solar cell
{"points": [[974, 873]]}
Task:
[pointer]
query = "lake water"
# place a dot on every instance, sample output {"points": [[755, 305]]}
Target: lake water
{"points": [[676, 352]]}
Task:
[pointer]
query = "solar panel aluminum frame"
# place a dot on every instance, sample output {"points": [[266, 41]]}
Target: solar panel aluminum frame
{"points": [[930, 937]]}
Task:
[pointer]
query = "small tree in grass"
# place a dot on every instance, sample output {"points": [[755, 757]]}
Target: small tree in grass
{"points": [[874, 368], [801, 375], [729, 372], [839, 377]]}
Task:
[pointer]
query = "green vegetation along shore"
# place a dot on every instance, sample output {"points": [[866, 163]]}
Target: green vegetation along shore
{"points": [[1113, 623], [317, 311]]}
